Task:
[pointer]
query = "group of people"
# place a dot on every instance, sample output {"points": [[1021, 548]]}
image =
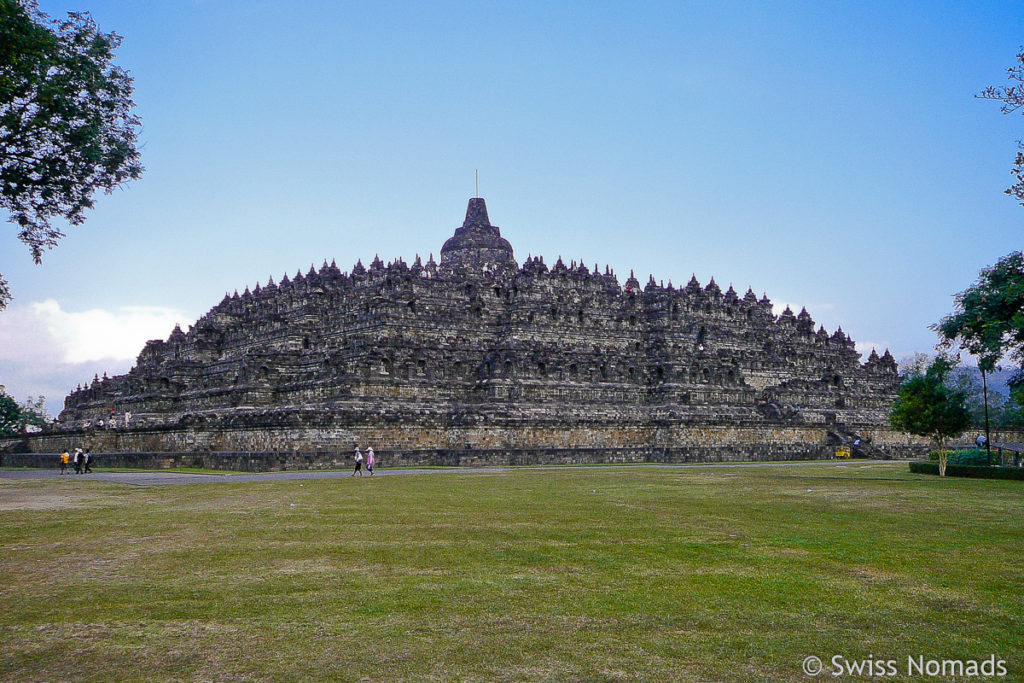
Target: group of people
{"points": [[370, 462], [82, 461]]}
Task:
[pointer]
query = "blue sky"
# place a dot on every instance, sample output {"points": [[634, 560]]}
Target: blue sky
{"points": [[830, 155]]}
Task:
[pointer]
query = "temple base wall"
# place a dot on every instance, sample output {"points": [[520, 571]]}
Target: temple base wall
{"points": [[266, 449], [326, 460]]}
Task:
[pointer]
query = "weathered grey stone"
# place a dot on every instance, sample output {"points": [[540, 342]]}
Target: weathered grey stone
{"points": [[478, 353]]}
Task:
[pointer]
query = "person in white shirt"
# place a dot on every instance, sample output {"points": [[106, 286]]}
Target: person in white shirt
{"points": [[359, 464]]}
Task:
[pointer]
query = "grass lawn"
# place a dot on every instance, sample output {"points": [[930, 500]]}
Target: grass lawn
{"points": [[717, 574]]}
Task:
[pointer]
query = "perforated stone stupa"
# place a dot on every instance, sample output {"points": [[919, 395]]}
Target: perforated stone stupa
{"points": [[481, 359]]}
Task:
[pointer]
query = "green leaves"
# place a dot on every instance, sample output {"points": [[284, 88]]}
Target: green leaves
{"points": [[14, 417], [927, 407], [67, 127], [989, 317], [10, 415]]}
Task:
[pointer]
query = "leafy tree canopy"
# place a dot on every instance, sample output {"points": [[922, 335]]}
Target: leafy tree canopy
{"points": [[1004, 413], [15, 417], [66, 123], [33, 412], [927, 406], [10, 415], [1012, 98], [989, 318]]}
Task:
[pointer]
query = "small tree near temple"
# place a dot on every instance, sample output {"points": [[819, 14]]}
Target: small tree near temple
{"points": [[33, 413], [10, 414], [15, 417], [926, 406]]}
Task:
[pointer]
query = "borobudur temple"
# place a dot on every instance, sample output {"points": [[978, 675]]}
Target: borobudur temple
{"points": [[478, 359]]}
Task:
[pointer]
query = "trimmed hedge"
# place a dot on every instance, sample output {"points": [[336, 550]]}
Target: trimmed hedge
{"points": [[922, 467]]}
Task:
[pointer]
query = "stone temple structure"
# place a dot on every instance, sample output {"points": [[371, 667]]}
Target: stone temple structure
{"points": [[478, 359]]}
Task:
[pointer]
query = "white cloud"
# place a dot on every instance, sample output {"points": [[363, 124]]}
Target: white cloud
{"points": [[44, 332], [864, 347], [45, 350]]}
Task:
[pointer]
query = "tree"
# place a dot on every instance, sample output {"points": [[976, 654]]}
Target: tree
{"points": [[33, 412], [988, 321], [927, 407], [10, 415], [1004, 413], [67, 128], [1012, 98], [988, 408], [15, 417]]}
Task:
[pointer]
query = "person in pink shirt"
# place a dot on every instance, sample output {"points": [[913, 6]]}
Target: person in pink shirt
{"points": [[370, 460]]}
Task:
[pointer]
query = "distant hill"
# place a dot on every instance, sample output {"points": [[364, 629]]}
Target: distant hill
{"points": [[997, 381]]}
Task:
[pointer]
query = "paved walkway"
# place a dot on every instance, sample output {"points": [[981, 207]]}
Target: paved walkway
{"points": [[158, 478]]}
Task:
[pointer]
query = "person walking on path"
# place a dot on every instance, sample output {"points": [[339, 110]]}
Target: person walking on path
{"points": [[88, 462], [78, 461], [64, 459], [370, 460], [359, 464]]}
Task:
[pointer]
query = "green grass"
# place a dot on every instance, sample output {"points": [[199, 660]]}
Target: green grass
{"points": [[719, 574]]}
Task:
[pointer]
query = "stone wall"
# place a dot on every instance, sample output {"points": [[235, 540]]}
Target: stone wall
{"points": [[322, 460], [412, 445]]}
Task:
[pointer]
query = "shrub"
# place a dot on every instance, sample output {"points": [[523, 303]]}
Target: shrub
{"points": [[974, 457]]}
